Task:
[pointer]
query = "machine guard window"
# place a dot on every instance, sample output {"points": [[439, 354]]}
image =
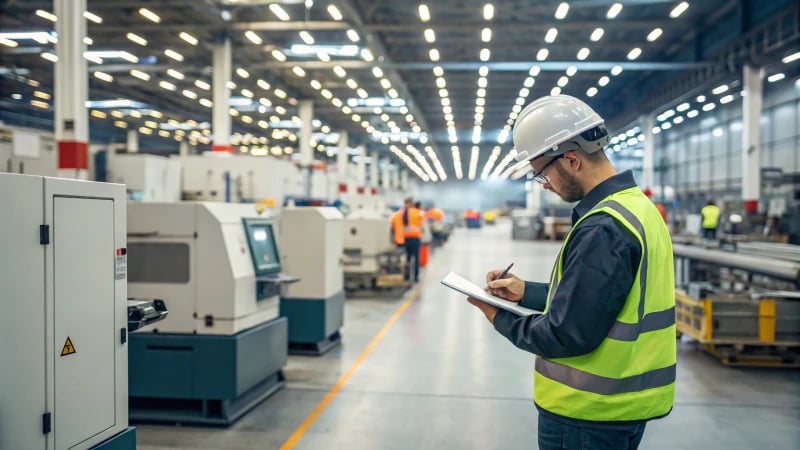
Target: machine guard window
{"points": [[158, 262]]}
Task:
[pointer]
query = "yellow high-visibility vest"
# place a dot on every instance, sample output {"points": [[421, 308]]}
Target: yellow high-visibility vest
{"points": [[631, 375]]}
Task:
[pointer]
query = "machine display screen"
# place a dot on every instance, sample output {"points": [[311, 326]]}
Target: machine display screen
{"points": [[262, 246]]}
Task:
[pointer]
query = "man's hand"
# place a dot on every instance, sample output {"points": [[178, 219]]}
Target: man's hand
{"points": [[489, 310], [510, 287]]}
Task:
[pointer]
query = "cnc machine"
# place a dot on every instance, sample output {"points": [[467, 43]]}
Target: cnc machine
{"points": [[221, 350]]}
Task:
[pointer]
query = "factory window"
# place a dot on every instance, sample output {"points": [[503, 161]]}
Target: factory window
{"points": [[158, 262]]}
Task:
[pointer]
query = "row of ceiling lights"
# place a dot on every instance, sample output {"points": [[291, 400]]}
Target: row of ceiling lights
{"points": [[684, 111], [170, 86]]}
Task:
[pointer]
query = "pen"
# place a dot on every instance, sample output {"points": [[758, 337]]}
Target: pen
{"points": [[505, 272]]}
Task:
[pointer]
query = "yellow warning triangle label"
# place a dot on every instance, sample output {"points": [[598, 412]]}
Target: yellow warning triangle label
{"points": [[68, 348]]}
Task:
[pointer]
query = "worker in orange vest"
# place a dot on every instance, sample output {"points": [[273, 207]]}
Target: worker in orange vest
{"points": [[407, 226]]}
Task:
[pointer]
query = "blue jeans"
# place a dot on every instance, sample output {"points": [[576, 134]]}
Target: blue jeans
{"points": [[556, 435]]}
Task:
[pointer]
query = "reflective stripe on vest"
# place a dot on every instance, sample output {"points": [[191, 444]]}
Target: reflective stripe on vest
{"points": [[631, 374], [597, 384]]}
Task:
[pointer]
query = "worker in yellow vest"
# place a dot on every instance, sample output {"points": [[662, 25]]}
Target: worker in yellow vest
{"points": [[407, 228], [710, 214], [605, 340]]}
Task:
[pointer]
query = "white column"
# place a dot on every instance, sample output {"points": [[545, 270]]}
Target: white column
{"points": [[751, 136], [183, 148], [385, 174], [71, 90], [362, 166], [395, 178], [373, 171], [306, 114], [404, 181], [221, 119], [648, 179], [341, 158], [133, 141]]}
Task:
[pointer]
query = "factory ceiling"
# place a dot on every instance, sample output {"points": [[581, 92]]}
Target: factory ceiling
{"points": [[427, 82]]}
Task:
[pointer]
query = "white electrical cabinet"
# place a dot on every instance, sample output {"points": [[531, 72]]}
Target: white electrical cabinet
{"points": [[64, 370]]}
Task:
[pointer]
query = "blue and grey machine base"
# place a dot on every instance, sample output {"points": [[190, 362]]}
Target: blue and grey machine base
{"points": [[205, 379], [314, 323]]}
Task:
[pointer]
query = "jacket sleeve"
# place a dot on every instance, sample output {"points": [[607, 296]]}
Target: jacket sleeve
{"points": [[535, 296], [599, 269]]}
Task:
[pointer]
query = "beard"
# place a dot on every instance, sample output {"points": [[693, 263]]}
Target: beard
{"points": [[570, 190]]}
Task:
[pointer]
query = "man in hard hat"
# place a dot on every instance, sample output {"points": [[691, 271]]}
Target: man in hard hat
{"points": [[710, 214], [605, 340]]}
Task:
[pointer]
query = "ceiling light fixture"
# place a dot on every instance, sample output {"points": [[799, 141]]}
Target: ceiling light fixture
{"points": [[614, 10], [551, 35], [679, 9], [334, 12], [424, 13], [542, 54], [306, 37], [655, 34], [140, 75], [279, 12], [562, 10], [430, 36], [174, 55], [488, 11], [188, 38], [149, 15]]}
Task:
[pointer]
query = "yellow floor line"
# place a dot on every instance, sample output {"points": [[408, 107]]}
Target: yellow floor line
{"points": [[298, 434]]}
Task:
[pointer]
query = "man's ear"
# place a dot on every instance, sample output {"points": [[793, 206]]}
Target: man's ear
{"points": [[573, 159]]}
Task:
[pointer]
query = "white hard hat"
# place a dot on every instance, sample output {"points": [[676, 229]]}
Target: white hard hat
{"points": [[553, 120]]}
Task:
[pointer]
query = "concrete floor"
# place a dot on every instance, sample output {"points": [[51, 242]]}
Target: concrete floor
{"points": [[441, 378]]}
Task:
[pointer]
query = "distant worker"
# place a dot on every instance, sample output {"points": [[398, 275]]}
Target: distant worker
{"points": [[659, 206], [605, 340], [407, 226], [710, 214]]}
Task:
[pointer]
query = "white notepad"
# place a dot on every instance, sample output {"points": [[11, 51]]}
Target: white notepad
{"points": [[466, 287]]}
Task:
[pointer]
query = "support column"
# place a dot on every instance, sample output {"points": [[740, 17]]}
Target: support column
{"points": [[342, 162], [751, 136], [306, 113], [648, 179], [71, 90], [395, 180], [373, 173], [183, 148], [385, 174], [362, 166], [221, 119], [133, 141], [404, 181]]}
